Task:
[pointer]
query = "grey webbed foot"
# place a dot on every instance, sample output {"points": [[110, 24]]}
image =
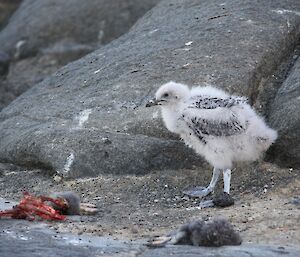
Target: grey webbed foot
{"points": [[198, 191], [207, 204]]}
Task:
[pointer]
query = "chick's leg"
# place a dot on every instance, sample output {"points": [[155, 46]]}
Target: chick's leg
{"points": [[204, 191], [226, 178], [224, 199]]}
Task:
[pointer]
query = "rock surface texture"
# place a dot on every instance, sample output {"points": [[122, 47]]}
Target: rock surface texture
{"points": [[89, 117], [42, 36], [38, 24], [285, 117], [7, 7]]}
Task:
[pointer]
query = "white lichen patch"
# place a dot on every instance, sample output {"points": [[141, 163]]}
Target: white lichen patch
{"points": [[83, 117]]}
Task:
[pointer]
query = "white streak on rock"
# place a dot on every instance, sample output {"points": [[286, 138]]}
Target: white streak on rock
{"points": [[83, 117], [18, 47], [152, 31], [69, 163], [185, 66], [186, 49], [155, 115], [97, 71], [189, 43], [283, 11]]}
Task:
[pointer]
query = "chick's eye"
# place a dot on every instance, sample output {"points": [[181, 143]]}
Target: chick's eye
{"points": [[166, 95]]}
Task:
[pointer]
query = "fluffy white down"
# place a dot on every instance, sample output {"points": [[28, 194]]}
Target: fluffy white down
{"points": [[219, 151]]}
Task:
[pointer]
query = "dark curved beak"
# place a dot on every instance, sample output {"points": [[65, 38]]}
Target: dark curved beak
{"points": [[152, 102]]}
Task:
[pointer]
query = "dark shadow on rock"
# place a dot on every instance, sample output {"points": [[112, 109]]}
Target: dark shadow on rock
{"points": [[7, 8], [284, 116]]}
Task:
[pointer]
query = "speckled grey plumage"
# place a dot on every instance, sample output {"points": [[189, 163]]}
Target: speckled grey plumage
{"points": [[73, 202]]}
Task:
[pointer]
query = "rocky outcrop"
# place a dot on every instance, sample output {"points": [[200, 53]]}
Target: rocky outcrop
{"points": [[284, 116], [38, 24], [50, 34], [89, 116], [25, 73], [7, 8]]}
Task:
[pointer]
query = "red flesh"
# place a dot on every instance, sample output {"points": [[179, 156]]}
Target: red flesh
{"points": [[31, 207]]}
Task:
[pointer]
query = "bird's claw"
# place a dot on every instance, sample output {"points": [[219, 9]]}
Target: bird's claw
{"points": [[88, 209], [159, 241]]}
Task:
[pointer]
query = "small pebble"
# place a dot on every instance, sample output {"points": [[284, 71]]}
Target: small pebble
{"points": [[57, 178]]}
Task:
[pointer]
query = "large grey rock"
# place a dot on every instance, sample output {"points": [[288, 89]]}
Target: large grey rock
{"points": [[37, 24], [28, 239], [56, 33], [89, 117], [25, 73], [285, 117], [7, 8]]}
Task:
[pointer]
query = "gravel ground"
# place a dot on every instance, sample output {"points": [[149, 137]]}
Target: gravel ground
{"points": [[139, 207]]}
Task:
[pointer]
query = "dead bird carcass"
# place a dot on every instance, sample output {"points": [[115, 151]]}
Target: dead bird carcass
{"points": [[215, 233]]}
